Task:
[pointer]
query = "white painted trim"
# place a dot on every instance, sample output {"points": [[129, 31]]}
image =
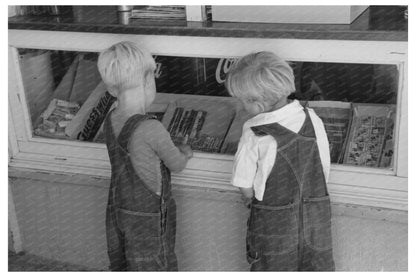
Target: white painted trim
{"points": [[63, 151], [204, 171], [358, 202], [344, 51], [195, 13], [401, 149], [17, 99], [347, 184], [13, 146], [11, 11], [13, 223]]}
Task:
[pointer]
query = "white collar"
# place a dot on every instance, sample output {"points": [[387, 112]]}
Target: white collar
{"points": [[275, 116]]}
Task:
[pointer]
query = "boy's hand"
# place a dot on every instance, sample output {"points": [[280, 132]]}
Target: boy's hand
{"points": [[247, 196], [247, 201], [187, 150]]}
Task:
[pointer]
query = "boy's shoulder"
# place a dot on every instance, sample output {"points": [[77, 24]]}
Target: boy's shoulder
{"points": [[151, 130], [149, 133], [151, 122], [314, 117], [151, 125]]}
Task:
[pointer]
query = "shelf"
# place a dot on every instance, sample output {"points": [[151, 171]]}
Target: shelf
{"points": [[375, 24]]}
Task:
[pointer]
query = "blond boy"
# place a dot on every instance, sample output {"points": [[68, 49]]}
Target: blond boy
{"points": [[281, 167], [141, 214]]}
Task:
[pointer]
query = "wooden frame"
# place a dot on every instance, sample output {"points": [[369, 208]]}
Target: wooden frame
{"points": [[347, 184], [196, 13]]}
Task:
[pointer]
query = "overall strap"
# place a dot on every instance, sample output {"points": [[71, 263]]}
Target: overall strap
{"points": [[281, 134], [124, 138], [128, 129], [307, 129], [108, 129]]}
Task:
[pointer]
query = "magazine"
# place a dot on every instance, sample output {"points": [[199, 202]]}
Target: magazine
{"points": [[370, 139], [336, 117], [233, 136]]}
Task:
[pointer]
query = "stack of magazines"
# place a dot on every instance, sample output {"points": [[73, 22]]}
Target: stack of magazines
{"points": [[359, 133], [159, 12]]}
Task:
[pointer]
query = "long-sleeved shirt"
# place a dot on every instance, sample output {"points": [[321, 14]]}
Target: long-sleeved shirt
{"points": [[151, 143]]}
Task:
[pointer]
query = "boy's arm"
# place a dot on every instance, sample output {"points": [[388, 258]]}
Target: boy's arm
{"points": [[247, 196], [323, 143], [159, 138], [186, 150], [245, 165], [247, 192]]}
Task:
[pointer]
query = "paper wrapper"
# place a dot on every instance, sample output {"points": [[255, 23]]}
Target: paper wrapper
{"points": [[88, 120]]}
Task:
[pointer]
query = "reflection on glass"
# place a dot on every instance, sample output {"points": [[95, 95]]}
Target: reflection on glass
{"points": [[67, 100]]}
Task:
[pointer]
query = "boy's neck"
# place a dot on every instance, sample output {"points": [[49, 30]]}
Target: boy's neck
{"points": [[131, 102], [280, 104]]}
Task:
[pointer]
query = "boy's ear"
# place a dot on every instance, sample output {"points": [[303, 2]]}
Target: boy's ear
{"points": [[260, 106], [112, 92], [148, 78]]}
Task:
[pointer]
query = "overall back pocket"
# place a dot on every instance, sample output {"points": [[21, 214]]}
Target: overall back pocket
{"points": [[272, 230], [142, 233], [317, 223]]}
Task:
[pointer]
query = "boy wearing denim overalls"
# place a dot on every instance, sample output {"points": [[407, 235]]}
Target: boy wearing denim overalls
{"points": [[141, 214], [281, 167]]}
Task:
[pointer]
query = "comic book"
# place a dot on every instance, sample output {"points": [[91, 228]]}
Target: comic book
{"points": [[370, 139], [336, 117], [388, 146]]}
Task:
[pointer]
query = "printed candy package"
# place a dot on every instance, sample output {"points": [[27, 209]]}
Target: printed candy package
{"points": [[202, 122], [55, 119], [87, 122]]}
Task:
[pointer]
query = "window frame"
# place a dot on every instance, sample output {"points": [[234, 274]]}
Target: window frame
{"points": [[347, 184]]}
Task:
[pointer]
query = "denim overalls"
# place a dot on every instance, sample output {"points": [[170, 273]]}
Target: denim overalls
{"points": [[140, 224], [290, 229]]}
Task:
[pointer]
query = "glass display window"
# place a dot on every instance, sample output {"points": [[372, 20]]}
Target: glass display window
{"points": [[357, 102]]}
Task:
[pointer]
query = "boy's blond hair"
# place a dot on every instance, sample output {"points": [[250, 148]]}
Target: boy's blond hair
{"points": [[124, 65], [261, 77]]}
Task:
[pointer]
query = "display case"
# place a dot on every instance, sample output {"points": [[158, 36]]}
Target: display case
{"points": [[57, 103]]}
